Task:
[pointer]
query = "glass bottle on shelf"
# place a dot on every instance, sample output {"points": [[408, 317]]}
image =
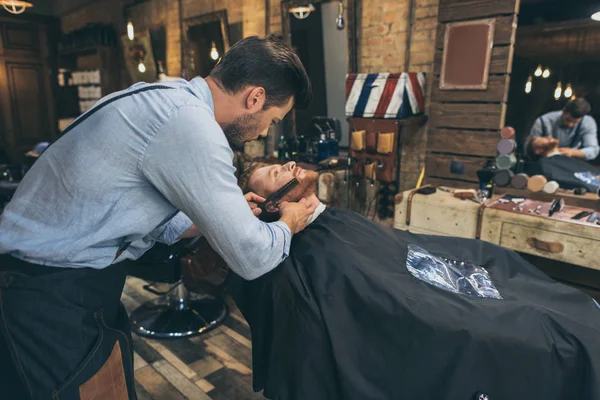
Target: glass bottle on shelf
{"points": [[292, 148], [322, 148], [332, 145], [281, 149]]}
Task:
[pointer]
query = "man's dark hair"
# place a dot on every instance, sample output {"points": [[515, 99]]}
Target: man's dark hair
{"points": [[578, 108], [266, 62]]}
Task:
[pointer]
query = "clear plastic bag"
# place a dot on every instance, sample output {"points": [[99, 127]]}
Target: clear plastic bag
{"points": [[454, 276], [588, 178]]}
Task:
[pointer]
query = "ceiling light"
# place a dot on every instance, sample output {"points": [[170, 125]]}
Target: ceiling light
{"points": [[301, 12], [130, 30], [141, 67], [558, 91], [15, 6], [538, 71], [528, 85], [546, 73], [596, 16], [214, 54], [568, 91], [339, 20]]}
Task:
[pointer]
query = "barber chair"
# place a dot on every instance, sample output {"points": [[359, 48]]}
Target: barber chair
{"points": [[177, 312]]}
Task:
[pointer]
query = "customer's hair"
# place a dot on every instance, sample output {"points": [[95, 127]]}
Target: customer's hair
{"points": [[268, 63], [578, 108], [530, 150], [244, 180]]}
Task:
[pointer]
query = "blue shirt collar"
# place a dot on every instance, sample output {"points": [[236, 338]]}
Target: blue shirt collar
{"points": [[201, 90]]}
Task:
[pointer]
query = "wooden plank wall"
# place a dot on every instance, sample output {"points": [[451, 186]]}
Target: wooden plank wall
{"points": [[464, 125]]}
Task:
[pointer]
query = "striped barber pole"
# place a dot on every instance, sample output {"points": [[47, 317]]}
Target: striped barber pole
{"points": [[385, 95]]}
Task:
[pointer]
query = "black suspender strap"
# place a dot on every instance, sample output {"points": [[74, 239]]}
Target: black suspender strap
{"points": [[107, 102], [99, 107], [576, 135], [544, 132]]}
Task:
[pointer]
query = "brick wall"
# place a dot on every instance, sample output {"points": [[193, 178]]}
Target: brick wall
{"points": [[382, 41], [382, 48]]}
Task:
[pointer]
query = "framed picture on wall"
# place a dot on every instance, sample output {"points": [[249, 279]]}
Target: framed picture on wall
{"points": [[467, 55]]}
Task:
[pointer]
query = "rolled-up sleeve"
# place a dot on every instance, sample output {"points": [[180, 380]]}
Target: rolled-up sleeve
{"points": [[189, 162], [589, 138], [169, 232]]}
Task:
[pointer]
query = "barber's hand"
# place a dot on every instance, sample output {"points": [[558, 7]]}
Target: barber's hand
{"points": [[565, 151], [296, 215], [253, 201]]}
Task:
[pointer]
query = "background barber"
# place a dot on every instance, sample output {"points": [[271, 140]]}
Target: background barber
{"points": [[132, 171], [575, 130]]}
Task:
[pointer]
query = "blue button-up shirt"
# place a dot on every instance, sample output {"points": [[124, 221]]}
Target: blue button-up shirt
{"points": [[133, 172]]}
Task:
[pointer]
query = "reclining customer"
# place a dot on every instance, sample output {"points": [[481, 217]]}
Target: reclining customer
{"points": [[570, 173], [359, 311]]}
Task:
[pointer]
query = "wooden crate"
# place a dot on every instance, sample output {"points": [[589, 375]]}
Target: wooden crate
{"points": [[439, 213], [558, 238]]}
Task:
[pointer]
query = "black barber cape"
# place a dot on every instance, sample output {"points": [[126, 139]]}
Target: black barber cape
{"points": [[570, 173], [343, 318]]}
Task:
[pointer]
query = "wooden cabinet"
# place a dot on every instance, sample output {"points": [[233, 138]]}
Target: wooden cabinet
{"points": [[27, 109]]}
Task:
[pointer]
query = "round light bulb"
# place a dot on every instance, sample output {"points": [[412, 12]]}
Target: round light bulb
{"points": [[141, 67], [546, 73], [130, 30], [568, 91], [214, 54], [558, 91], [596, 16], [538, 71], [528, 86]]}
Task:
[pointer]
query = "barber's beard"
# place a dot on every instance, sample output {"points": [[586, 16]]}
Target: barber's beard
{"points": [[243, 129]]}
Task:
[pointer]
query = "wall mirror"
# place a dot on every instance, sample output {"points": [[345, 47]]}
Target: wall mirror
{"points": [[206, 38], [324, 37]]}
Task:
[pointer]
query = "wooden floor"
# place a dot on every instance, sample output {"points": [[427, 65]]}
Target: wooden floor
{"points": [[216, 365]]}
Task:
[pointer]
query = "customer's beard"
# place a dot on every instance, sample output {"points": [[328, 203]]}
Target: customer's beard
{"points": [[243, 129], [306, 188], [549, 149]]}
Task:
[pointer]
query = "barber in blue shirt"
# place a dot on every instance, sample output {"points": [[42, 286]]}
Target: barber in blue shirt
{"points": [[150, 163], [575, 130]]}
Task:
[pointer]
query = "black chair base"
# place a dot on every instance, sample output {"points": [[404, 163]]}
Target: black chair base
{"points": [[171, 318]]}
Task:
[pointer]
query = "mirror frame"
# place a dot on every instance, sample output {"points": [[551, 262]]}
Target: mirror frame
{"points": [[217, 16], [352, 10]]}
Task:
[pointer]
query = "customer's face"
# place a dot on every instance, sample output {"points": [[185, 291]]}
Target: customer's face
{"points": [[267, 180], [544, 145], [253, 124]]}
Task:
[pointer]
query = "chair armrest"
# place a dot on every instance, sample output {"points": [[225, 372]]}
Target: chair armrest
{"points": [[203, 270]]}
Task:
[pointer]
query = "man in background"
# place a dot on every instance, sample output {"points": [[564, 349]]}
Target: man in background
{"points": [[573, 127]]}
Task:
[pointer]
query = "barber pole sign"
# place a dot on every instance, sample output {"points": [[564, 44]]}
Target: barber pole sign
{"points": [[385, 95]]}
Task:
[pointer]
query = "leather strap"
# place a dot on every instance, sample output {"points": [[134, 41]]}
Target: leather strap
{"points": [[480, 211], [409, 203]]}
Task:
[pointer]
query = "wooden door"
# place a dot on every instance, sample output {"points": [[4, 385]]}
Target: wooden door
{"points": [[27, 113]]}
